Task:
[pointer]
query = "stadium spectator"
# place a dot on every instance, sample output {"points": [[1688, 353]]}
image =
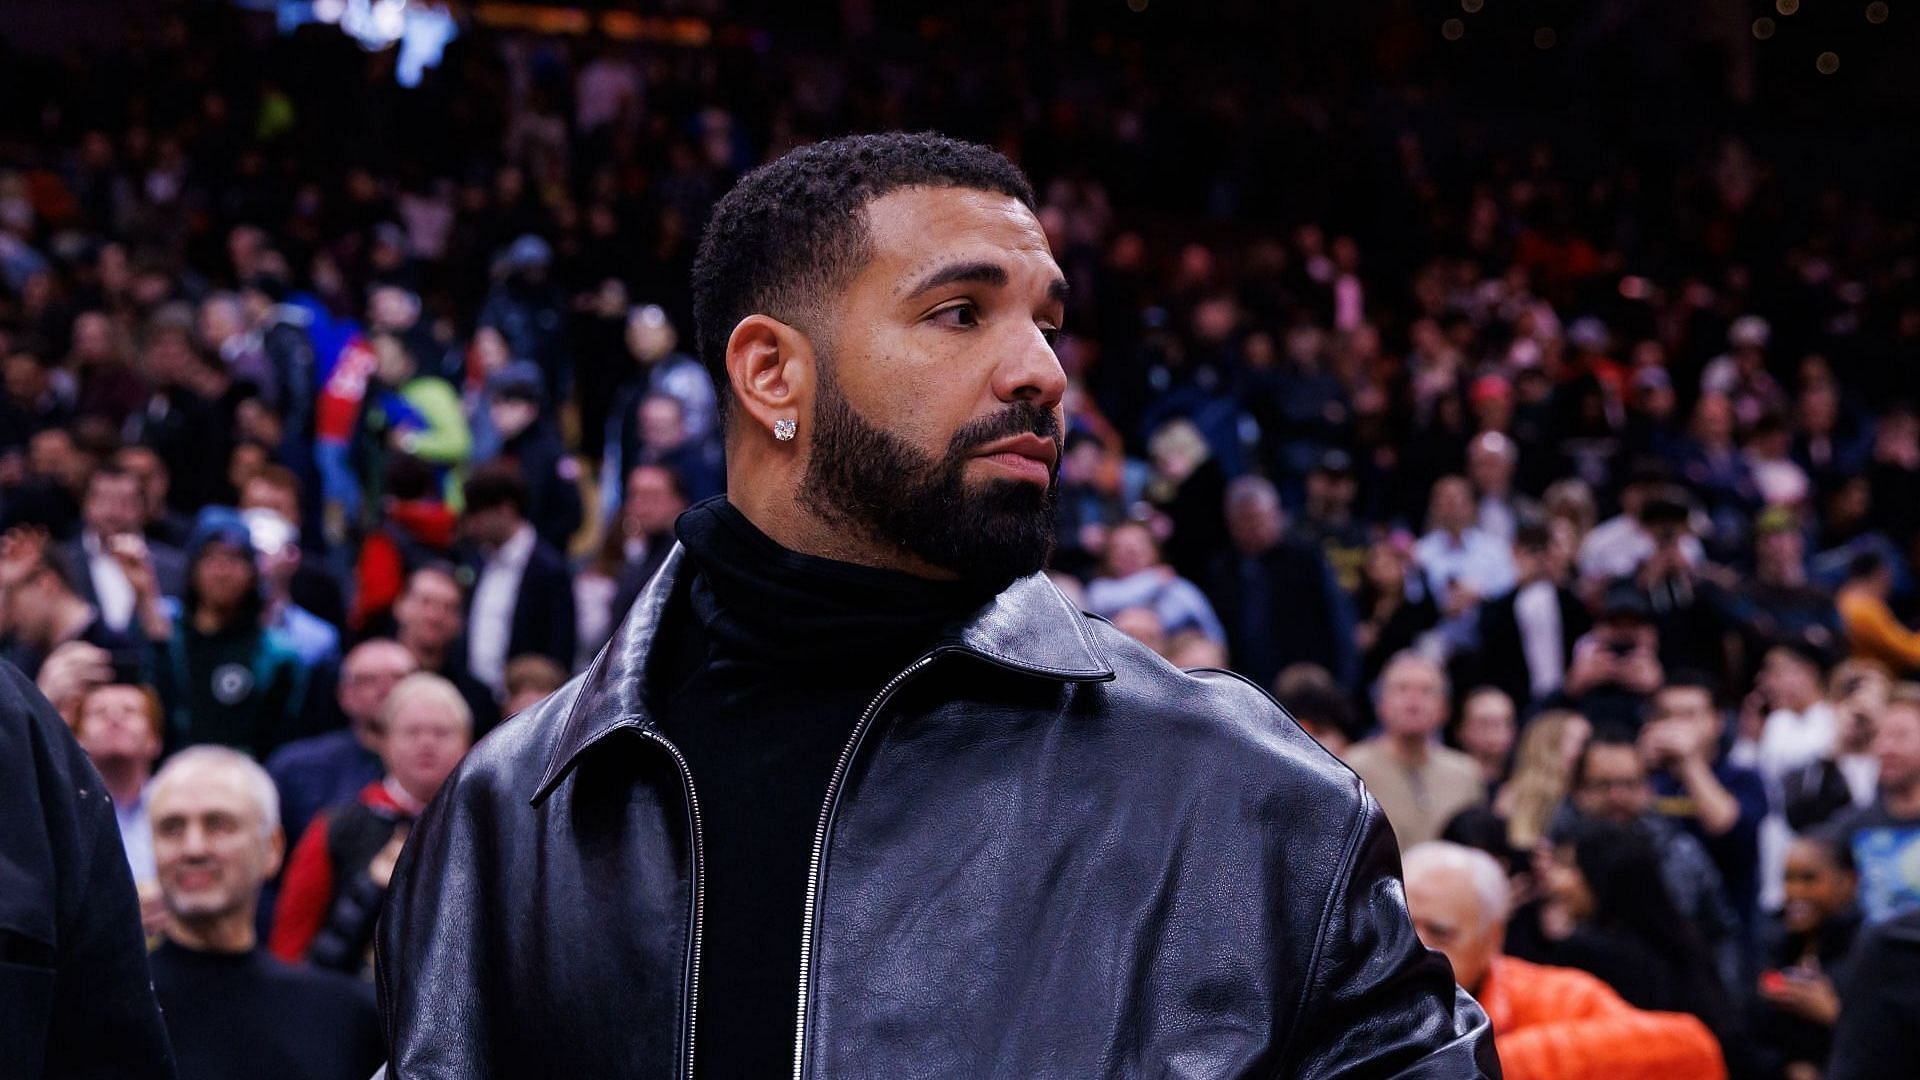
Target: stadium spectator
{"points": [[1421, 784], [1137, 577], [530, 678], [229, 1006], [1808, 951], [522, 600], [223, 675], [1885, 836], [319, 771], [1527, 634], [1696, 785], [337, 876], [1276, 595], [1549, 1023]]}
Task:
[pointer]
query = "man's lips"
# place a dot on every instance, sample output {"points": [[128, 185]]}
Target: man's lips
{"points": [[1028, 457]]}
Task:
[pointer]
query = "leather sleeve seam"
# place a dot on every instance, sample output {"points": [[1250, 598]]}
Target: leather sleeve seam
{"points": [[1356, 834]]}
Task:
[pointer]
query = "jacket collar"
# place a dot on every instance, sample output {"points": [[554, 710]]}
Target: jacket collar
{"points": [[1029, 628]]}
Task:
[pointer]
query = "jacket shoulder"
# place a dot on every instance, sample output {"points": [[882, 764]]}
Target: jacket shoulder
{"points": [[506, 765], [1210, 721]]}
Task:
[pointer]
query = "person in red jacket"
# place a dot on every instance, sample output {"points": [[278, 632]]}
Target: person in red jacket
{"points": [[337, 878], [1549, 1023]]}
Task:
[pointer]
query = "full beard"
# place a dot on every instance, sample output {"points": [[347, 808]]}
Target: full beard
{"points": [[869, 480]]}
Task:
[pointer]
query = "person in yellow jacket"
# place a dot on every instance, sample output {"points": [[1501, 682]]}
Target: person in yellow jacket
{"points": [[1873, 630]]}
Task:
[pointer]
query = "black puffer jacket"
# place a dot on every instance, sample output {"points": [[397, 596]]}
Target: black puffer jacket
{"points": [[1047, 854]]}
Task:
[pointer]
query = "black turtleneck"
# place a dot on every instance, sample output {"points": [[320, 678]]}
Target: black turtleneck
{"points": [[761, 674]]}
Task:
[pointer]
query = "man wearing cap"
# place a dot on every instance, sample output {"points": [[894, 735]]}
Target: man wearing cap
{"points": [[1328, 519], [1777, 603]]}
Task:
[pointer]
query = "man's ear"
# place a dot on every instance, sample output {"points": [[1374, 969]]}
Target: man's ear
{"points": [[770, 365]]}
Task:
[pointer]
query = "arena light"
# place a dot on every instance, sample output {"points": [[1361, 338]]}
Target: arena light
{"points": [[421, 28]]}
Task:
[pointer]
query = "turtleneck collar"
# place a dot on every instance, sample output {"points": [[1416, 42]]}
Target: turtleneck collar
{"points": [[758, 599]]}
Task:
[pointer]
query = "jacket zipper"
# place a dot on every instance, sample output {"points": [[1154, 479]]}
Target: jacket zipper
{"points": [[692, 980], [814, 867]]}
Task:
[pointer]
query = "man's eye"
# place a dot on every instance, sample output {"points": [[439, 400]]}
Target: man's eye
{"points": [[1052, 335], [960, 315]]}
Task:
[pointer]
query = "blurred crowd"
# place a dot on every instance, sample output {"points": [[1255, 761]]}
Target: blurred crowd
{"points": [[1571, 499]]}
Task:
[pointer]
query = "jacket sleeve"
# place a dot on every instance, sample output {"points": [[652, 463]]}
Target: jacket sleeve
{"points": [[304, 897], [76, 994], [1377, 1003], [1598, 1036], [431, 943]]}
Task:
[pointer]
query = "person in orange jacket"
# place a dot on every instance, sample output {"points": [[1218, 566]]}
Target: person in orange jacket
{"points": [[1873, 630], [1549, 1023]]}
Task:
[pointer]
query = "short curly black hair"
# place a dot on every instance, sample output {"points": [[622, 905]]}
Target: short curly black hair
{"points": [[794, 230]]}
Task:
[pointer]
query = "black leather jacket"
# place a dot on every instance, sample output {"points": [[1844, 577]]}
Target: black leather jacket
{"points": [[1044, 853]]}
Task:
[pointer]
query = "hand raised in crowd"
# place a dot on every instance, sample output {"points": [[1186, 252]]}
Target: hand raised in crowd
{"points": [[1670, 742], [131, 553], [1807, 994], [72, 670]]}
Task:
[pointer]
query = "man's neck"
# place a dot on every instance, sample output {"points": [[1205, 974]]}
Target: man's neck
{"points": [[431, 658], [1409, 748], [125, 777], [232, 932], [800, 531]]}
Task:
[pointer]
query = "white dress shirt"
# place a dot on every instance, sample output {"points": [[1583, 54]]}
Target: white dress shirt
{"points": [[1536, 608], [112, 592], [490, 628]]}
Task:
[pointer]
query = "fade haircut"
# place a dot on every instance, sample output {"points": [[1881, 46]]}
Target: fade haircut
{"points": [[794, 232]]}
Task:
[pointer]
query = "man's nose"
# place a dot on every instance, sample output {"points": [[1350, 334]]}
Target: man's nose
{"points": [[1031, 372]]}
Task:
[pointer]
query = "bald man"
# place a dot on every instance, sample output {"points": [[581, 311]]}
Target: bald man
{"points": [[230, 1008], [317, 772], [1549, 1023]]}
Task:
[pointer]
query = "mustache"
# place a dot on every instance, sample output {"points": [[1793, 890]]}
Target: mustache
{"points": [[1019, 418]]}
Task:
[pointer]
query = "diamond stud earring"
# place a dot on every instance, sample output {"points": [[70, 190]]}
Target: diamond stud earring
{"points": [[783, 430]]}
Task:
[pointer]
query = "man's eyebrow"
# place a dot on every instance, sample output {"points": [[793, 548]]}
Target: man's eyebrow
{"points": [[980, 272]]}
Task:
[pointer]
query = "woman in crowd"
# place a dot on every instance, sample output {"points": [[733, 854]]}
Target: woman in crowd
{"points": [[1807, 954]]}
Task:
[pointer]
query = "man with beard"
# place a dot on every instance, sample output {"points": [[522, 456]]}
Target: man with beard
{"points": [[854, 791]]}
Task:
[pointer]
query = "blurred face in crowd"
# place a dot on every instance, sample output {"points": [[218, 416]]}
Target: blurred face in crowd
{"points": [[51, 453], [1817, 886], [1451, 918], [1562, 882], [1143, 626], [1130, 549], [263, 494], [1487, 729], [367, 676], [1897, 746], [1413, 698], [221, 319], [492, 526], [653, 503], [25, 379], [113, 505], [427, 734], [1614, 787], [1789, 680], [1254, 521], [223, 575], [512, 415], [93, 338], [1329, 493], [150, 473], [935, 425], [1691, 706], [429, 613], [1780, 555], [117, 723], [212, 846], [1452, 508], [661, 425], [1490, 463]]}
